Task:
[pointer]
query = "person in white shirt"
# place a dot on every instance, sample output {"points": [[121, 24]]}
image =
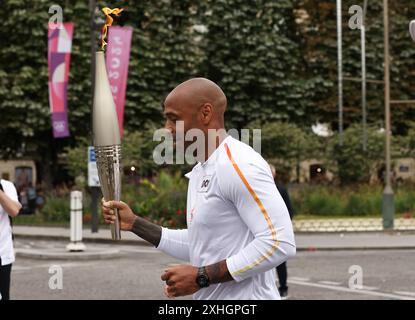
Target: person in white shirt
{"points": [[9, 207], [238, 226]]}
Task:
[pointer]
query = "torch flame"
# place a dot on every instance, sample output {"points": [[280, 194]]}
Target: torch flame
{"points": [[107, 11]]}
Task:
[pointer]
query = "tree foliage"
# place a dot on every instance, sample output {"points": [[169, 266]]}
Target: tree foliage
{"points": [[275, 60], [318, 29], [349, 162], [285, 145]]}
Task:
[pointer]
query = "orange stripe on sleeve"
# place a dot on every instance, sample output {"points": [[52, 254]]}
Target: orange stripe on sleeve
{"points": [[275, 244]]}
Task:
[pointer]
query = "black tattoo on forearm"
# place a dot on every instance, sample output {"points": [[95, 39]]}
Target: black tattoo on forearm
{"points": [[218, 272], [147, 230]]}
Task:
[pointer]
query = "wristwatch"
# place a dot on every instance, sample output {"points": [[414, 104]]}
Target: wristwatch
{"points": [[202, 279]]}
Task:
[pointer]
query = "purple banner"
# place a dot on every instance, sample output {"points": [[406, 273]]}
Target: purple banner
{"points": [[59, 55]]}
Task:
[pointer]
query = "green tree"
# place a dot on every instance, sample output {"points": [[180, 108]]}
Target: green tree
{"points": [[24, 107], [317, 26], [407, 142], [252, 50], [349, 162], [162, 55], [276, 61], [285, 145]]}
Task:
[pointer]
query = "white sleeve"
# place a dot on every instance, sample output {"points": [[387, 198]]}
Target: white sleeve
{"points": [[250, 187], [175, 243], [10, 190]]}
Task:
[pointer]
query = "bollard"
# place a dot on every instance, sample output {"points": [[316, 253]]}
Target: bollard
{"points": [[76, 223]]}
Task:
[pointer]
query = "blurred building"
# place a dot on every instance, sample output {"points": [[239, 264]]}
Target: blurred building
{"points": [[20, 172], [315, 171]]}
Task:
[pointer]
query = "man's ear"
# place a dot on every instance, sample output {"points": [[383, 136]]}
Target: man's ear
{"points": [[207, 113]]}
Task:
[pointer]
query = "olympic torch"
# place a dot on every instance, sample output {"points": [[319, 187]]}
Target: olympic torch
{"points": [[107, 142]]}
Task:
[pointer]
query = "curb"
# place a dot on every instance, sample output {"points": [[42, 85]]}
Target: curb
{"points": [[89, 240], [145, 243], [389, 232], [316, 249], [47, 255]]}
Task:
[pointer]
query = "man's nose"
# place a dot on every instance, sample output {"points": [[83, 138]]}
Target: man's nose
{"points": [[169, 127]]}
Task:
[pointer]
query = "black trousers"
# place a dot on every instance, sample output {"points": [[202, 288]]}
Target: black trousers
{"points": [[5, 272], [282, 275]]}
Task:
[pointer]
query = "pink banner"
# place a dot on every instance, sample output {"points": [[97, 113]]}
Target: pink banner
{"points": [[118, 57], [59, 55]]}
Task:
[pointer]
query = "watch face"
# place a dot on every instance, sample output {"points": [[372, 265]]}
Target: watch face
{"points": [[202, 281]]}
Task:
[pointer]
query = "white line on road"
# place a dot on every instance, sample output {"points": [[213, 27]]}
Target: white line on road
{"points": [[300, 279], [369, 288], [330, 283], [355, 291]]}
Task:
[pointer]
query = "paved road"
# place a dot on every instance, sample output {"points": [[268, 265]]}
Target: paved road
{"points": [[304, 241], [386, 274], [136, 272]]}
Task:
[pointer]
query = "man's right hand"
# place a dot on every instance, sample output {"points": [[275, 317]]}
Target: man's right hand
{"points": [[127, 217]]}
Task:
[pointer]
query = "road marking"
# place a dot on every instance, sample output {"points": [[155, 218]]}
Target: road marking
{"points": [[369, 288], [358, 291], [331, 283], [300, 279]]}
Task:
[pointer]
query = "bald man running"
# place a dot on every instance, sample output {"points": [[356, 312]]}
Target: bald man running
{"points": [[238, 227]]}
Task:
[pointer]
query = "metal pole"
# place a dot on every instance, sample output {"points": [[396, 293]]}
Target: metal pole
{"points": [[94, 190], [363, 43], [93, 46], [388, 207], [340, 69]]}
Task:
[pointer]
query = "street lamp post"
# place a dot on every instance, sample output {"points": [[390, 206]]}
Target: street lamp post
{"points": [[363, 57], [94, 190], [388, 207], [340, 68]]}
